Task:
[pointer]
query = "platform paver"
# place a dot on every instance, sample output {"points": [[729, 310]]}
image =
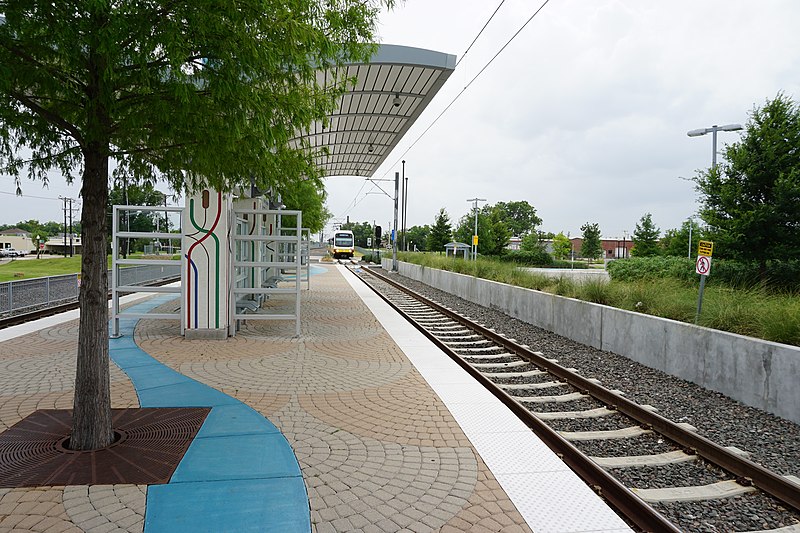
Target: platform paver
{"points": [[378, 449]]}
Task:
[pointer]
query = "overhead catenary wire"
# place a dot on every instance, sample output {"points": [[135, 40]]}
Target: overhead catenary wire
{"points": [[480, 32], [453, 101], [357, 201]]}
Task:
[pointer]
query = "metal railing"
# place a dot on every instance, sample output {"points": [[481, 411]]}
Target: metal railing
{"points": [[25, 295], [21, 296]]}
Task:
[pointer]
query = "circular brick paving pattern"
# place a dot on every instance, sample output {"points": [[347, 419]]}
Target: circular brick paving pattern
{"points": [[378, 449]]}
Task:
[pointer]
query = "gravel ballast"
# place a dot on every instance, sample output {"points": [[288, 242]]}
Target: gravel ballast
{"points": [[772, 441]]}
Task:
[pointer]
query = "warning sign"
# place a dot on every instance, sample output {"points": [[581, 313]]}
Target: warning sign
{"points": [[703, 265], [705, 248]]}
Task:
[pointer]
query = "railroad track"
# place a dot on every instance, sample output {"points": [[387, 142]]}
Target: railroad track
{"points": [[605, 438], [21, 318]]}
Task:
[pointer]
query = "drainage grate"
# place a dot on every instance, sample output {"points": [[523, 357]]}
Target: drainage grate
{"points": [[149, 445]]}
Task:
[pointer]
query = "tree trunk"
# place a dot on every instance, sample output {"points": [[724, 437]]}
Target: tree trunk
{"points": [[91, 417]]}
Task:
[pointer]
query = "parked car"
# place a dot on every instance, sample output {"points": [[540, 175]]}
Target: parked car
{"points": [[4, 253], [11, 252]]}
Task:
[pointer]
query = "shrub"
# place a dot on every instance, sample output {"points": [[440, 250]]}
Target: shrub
{"points": [[536, 257]]}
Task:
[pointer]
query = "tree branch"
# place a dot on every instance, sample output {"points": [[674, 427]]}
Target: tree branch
{"points": [[49, 116]]}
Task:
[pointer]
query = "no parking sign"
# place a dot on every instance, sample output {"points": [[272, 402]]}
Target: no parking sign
{"points": [[703, 265]]}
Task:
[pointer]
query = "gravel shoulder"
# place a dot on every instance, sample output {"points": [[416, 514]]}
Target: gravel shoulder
{"points": [[773, 442]]}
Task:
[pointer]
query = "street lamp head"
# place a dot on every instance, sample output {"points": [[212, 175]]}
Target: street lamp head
{"points": [[731, 127], [697, 133]]}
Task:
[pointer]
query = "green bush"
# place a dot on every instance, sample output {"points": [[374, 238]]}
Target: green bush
{"points": [[537, 257]]}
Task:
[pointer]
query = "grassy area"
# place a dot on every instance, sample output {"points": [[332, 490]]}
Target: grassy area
{"points": [[754, 312], [49, 265], [37, 268]]}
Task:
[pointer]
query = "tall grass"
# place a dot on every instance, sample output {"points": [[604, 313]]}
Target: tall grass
{"points": [[755, 311]]}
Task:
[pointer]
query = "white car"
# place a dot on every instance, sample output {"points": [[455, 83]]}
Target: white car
{"points": [[11, 252]]}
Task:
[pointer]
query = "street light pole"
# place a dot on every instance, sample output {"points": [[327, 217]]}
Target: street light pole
{"points": [[394, 231], [475, 235], [713, 131]]}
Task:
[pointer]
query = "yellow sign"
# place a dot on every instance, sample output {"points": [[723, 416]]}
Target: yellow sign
{"points": [[705, 248], [474, 240]]}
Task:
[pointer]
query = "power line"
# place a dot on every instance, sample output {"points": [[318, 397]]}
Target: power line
{"points": [[480, 32], [467, 85], [29, 196]]}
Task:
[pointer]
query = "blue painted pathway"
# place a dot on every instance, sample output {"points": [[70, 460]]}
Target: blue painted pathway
{"points": [[239, 473]]}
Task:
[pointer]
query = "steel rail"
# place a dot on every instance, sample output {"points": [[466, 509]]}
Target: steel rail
{"points": [[747, 471], [618, 495]]}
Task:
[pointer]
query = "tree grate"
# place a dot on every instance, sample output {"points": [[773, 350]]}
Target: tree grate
{"points": [[149, 443]]}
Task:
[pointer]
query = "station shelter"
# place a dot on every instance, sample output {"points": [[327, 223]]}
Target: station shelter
{"points": [[240, 250]]}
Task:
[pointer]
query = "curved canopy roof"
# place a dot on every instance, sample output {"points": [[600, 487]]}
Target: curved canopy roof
{"points": [[391, 91]]}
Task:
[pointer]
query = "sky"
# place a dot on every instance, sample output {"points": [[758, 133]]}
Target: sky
{"points": [[584, 114]]}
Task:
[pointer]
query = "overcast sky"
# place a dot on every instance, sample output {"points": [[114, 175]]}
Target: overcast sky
{"points": [[584, 115]]}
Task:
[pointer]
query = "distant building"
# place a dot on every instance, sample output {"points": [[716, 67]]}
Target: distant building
{"points": [[18, 239], [613, 248]]}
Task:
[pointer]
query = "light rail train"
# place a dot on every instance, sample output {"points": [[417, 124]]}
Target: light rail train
{"points": [[342, 246]]}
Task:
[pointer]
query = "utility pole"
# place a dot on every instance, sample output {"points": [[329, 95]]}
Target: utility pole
{"points": [[475, 235], [71, 246], [405, 204], [67, 200], [394, 240]]}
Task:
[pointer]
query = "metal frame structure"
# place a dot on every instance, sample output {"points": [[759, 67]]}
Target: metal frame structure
{"points": [[287, 254], [116, 263]]}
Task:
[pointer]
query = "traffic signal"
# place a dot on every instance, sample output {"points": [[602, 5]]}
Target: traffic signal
{"points": [[377, 234]]}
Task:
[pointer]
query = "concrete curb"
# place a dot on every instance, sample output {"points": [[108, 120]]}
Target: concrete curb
{"points": [[758, 373]]}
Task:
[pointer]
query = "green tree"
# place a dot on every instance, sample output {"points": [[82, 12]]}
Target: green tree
{"points": [[519, 217], [418, 235], [562, 246], [201, 95], [531, 242], [675, 242], [591, 247], [752, 200], [361, 232], [645, 237], [309, 197], [441, 232], [493, 232]]}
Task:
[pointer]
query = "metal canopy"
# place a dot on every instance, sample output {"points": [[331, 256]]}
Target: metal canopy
{"points": [[391, 91]]}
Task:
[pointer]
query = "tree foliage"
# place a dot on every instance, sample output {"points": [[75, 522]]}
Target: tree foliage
{"points": [[361, 232], [307, 196], [676, 241], [199, 94], [441, 232], [519, 217], [418, 237], [645, 237], [751, 201], [591, 248], [562, 246]]}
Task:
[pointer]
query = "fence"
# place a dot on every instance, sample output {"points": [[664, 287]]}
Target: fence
{"points": [[29, 294]]}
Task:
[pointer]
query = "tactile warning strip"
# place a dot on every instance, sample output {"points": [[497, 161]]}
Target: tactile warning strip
{"points": [[150, 444]]}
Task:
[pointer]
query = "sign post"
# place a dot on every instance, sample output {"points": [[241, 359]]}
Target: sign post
{"points": [[702, 267]]}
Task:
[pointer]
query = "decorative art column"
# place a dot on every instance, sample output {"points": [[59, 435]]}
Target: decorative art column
{"points": [[206, 280]]}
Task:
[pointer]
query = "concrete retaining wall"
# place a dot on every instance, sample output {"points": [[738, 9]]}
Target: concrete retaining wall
{"points": [[758, 373]]}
